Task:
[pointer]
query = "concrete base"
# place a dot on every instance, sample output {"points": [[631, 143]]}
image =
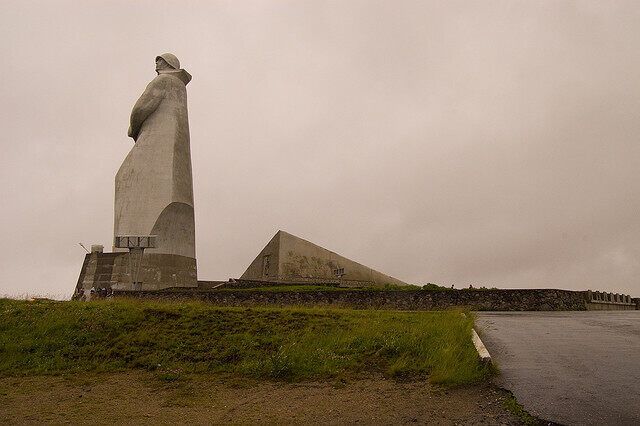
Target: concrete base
{"points": [[111, 271], [604, 306]]}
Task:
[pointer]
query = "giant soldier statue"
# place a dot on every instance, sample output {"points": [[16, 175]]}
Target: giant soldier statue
{"points": [[154, 186]]}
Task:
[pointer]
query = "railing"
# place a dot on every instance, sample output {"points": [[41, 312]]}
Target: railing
{"points": [[609, 298]]}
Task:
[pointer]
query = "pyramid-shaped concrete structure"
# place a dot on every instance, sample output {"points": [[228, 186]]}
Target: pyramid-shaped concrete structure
{"points": [[290, 259]]}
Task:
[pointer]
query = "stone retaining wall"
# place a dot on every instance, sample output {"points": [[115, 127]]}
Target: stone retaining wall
{"points": [[483, 300], [242, 283]]}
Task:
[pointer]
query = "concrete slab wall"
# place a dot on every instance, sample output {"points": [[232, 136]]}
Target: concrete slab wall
{"points": [[604, 301], [110, 271], [293, 259], [101, 270], [265, 266]]}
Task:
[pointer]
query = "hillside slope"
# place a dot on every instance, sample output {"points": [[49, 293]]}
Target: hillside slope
{"points": [[44, 337]]}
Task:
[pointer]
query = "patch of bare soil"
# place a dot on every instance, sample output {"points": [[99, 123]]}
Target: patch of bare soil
{"points": [[142, 398]]}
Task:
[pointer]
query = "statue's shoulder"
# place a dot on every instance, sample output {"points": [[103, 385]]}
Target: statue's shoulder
{"points": [[162, 77], [160, 83], [176, 76], [166, 81], [161, 80]]}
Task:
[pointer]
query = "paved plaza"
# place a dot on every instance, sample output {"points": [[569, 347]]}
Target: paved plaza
{"points": [[569, 367]]}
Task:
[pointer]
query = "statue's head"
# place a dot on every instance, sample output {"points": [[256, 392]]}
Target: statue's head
{"points": [[167, 61]]}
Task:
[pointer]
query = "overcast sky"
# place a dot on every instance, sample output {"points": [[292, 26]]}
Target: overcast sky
{"points": [[485, 142]]}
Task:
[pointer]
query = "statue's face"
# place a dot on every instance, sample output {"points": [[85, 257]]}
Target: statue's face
{"points": [[161, 64]]}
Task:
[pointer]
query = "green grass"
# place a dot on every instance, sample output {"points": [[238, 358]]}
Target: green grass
{"points": [[46, 337], [513, 406]]}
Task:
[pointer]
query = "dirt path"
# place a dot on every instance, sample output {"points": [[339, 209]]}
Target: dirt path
{"points": [[141, 398]]}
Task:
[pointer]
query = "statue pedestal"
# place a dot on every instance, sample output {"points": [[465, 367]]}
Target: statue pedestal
{"points": [[110, 271]]}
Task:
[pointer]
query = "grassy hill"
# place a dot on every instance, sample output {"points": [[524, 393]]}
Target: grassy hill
{"points": [[174, 338]]}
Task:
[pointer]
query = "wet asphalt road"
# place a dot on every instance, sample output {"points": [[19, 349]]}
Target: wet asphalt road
{"points": [[569, 367]]}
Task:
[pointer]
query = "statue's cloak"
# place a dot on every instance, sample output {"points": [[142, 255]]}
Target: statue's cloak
{"points": [[154, 186]]}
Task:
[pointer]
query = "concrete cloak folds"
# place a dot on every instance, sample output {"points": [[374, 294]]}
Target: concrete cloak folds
{"points": [[154, 186]]}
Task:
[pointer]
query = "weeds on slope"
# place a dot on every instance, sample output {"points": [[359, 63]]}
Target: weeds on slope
{"points": [[45, 337]]}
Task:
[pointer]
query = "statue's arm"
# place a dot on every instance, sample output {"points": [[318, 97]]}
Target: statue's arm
{"points": [[145, 106]]}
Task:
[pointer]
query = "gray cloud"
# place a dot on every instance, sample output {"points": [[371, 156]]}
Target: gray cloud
{"points": [[490, 143]]}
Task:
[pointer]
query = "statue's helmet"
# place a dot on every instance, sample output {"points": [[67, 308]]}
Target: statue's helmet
{"points": [[171, 59]]}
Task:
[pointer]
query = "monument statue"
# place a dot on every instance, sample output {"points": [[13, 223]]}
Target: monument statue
{"points": [[154, 186]]}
